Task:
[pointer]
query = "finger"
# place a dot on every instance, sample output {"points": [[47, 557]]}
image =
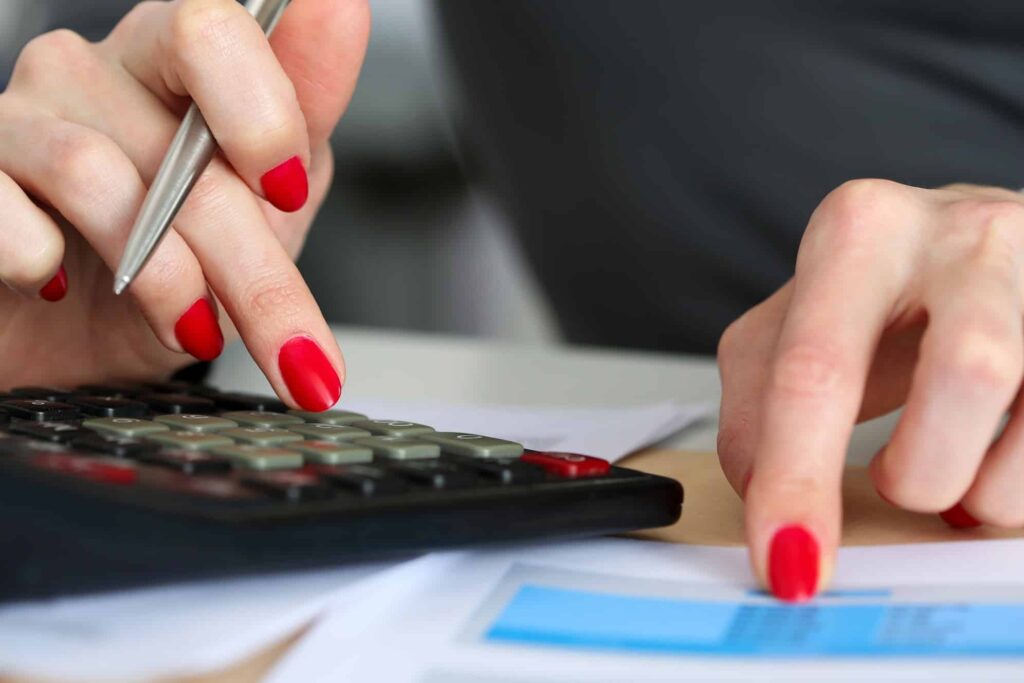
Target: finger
{"points": [[321, 45], [88, 179], [214, 52], [244, 262], [970, 366], [31, 246], [744, 353], [815, 383], [995, 497]]}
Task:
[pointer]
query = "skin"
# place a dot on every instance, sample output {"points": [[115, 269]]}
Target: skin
{"points": [[83, 129], [901, 297]]}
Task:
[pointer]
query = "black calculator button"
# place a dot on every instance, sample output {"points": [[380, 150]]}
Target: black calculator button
{"points": [[46, 393], [112, 390], [437, 474], [117, 446], [365, 480], [57, 432], [178, 403], [5, 417], [240, 401], [501, 470], [40, 410], [175, 388], [293, 486], [17, 445], [187, 462], [109, 406]]}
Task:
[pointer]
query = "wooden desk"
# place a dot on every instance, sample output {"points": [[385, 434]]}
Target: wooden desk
{"points": [[713, 515]]}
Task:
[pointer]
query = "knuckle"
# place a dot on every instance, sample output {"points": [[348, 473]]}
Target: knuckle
{"points": [[806, 370], [850, 213], [270, 294], [34, 263], [985, 359], [729, 342], [803, 487], [51, 53], [138, 15], [77, 156]]}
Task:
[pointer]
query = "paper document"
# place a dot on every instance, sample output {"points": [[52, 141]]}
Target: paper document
{"points": [[617, 609]]}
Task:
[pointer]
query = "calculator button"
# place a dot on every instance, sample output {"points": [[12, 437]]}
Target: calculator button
{"points": [[57, 432], [178, 403], [570, 465], [40, 410], [365, 480], [17, 445], [256, 418], [187, 462], [397, 448], [501, 470], [97, 469], [330, 453], [109, 406], [116, 446], [473, 445], [330, 417], [5, 417], [45, 393], [259, 457], [124, 426], [193, 422], [392, 427], [189, 441], [326, 432], [293, 486], [112, 390], [174, 388], [436, 474], [234, 400], [262, 436]]}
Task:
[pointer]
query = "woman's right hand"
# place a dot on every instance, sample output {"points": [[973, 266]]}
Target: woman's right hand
{"points": [[83, 129]]}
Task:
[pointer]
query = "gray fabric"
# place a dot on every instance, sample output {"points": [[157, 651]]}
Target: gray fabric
{"points": [[661, 159]]}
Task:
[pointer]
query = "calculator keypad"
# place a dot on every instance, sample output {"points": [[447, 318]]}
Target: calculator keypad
{"points": [[196, 440]]}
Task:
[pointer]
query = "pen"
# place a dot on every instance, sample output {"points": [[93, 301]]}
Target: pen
{"points": [[190, 153]]}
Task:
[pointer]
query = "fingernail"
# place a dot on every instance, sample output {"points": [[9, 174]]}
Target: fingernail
{"points": [[287, 186], [57, 288], [198, 331], [310, 377], [793, 564], [959, 518]]}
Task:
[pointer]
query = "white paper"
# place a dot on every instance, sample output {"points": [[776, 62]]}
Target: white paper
{"points": [[609, 433], [437, 631]]}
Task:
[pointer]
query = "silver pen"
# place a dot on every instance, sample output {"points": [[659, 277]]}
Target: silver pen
{"points": [[189, 155]]}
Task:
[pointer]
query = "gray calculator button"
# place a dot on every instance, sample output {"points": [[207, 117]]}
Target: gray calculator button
{"points": [[189, 441], [331, 417], [399, 448], [124, 426], [196, 423], [332, 453], [259, 457], [393, 427], [262, 436], [328, 432], [473, 445], [257, 418]]}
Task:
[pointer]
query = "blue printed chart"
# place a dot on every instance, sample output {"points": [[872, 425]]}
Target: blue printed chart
{"points": [[541, 607]]}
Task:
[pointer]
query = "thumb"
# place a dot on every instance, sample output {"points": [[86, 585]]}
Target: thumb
{"points": [[321, 45]]}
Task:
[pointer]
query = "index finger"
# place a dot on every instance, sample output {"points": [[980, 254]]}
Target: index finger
{"points": [[847, 281]]}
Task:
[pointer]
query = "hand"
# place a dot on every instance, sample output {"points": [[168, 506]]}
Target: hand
{"points": [[902, 296], [83, 129]]}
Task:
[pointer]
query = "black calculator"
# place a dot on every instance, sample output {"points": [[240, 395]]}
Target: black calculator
{"points": [[106, 487]]}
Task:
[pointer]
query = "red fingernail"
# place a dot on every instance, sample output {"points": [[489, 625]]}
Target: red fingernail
{"points": [[57, 288], [958, 518], [793, 564], [198, 331], [310, 377], [287, 186]]}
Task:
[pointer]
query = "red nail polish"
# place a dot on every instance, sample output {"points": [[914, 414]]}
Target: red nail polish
{"points": [[198, 331], [57, 288], [287, 186], [310, 377], [959, 518], [793, 564]]}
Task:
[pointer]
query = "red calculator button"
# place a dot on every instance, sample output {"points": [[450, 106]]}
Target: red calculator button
{"points": [[89, 468], [567, 464]]}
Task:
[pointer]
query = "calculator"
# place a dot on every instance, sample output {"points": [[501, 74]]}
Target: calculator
{"points": [[107, 487]]}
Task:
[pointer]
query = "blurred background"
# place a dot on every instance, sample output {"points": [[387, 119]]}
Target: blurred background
{"points": [[625, 174]]}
